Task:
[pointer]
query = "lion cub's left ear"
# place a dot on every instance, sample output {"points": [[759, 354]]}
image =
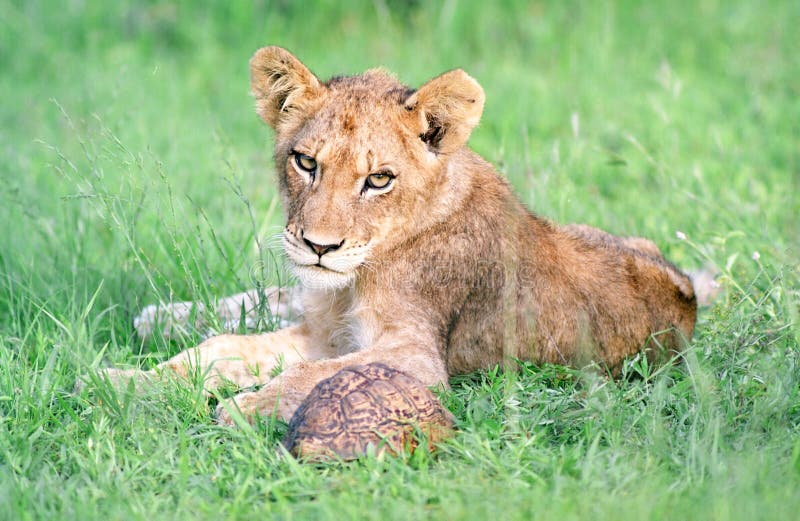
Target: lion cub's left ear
{"points": [[448, 108], [284, 88]]}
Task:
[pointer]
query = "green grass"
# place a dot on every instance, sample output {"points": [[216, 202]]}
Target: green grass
{"points": [[134, 169]]}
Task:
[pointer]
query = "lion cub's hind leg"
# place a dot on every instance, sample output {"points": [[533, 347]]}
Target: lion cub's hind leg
{"points": [[176, 319]]}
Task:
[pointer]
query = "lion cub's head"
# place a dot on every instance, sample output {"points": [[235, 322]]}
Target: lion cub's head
{"points": [[364, 162]]}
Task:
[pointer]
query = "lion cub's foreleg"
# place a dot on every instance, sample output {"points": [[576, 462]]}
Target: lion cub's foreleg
{"points": [[284, 394], [241, 360]]}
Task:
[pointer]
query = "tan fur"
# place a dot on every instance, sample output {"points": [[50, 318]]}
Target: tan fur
{"points": [[444, 273]]}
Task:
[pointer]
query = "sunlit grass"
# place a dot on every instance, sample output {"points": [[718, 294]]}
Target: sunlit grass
{"points": [[134, 170]]}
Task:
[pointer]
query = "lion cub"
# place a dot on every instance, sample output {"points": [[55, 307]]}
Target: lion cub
{"points": [[412, 251]]}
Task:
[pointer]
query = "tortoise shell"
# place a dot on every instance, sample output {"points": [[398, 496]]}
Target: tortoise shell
{"points": [[366, 405]]}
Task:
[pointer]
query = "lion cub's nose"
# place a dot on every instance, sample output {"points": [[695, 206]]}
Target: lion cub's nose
{"points": [[320, 249]]}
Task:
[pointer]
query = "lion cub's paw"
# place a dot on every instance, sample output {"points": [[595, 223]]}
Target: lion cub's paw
{"points": [[118, 378], [231, 411], [263, 403], [173, 320]]}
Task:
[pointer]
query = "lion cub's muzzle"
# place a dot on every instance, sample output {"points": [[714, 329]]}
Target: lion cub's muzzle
{"points": [[322, 262], [320, 249]]}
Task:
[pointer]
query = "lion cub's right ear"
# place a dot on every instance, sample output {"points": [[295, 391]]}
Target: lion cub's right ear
{"points": [[284, 88]]}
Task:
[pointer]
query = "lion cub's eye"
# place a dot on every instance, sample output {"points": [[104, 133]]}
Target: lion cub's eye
{"points": [[378, 181], [305, 163]]}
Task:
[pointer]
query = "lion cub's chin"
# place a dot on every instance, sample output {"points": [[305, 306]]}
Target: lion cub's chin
{"points": [[316, 277]]}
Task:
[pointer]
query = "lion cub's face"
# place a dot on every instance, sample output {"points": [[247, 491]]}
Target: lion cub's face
{"points": [[362, 161]]}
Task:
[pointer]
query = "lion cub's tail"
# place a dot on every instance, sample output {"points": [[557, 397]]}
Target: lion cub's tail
{"points": [[706, 287]]}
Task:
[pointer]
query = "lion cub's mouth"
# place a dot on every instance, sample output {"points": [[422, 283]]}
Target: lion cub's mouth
{"points": [[316, 276], [322, 268], [331, 270]]}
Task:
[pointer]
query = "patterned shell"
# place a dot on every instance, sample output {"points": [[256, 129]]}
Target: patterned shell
{"points": [[366, 405]]}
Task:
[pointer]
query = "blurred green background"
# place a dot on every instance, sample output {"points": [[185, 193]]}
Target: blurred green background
{"points": [[638, 118], [134, 169]]}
